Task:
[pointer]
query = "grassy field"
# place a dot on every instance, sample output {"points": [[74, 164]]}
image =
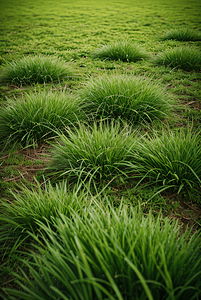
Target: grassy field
{"points": [[100, 115]]}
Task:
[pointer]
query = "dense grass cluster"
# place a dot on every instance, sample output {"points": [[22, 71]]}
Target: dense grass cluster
{"points": [[125, 97], [31, 205], [172, 159], [124, 50], [110, 254], [182, 34], [36, 69], [100, 152], [37, 117], [186, 58]]}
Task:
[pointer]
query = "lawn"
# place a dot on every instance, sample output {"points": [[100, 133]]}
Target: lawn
{"points": [[100, 149]]}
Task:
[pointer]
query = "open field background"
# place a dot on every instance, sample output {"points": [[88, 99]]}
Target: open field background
{"points": [[72, 31]]}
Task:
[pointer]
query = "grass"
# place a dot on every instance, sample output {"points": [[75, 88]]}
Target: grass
{"points": [[124, 241], [40, 203], [37, 117], [186, 58], [30, 205], [110, 254], [36, 69], [124, 50], [125, 97], [182, 34], [171, 159], [99, 152]]}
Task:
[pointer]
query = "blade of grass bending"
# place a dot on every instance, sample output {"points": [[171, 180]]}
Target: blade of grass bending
{"points": [[161, 190], [167, 279], [21, 295], [181, 162], [186, 287], [110, 279], [141, 278], [63, 297], [86, 264], [100, 287]]}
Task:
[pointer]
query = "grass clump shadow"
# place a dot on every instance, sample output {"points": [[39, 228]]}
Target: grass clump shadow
{"points": [[127, 97], [182, 34], [171, 159], [99, 152], [37, 69], [123, 50], [186, 58], [110, 254], [37, 117]]}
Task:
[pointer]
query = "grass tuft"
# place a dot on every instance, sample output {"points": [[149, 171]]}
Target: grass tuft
{"points": [[186, 58], [110, 254], [99, 152], [125, 51], [126, 97], [37, 69], [182, 34], [30, 205], [40, 203], [172, 159], [37, 117]]}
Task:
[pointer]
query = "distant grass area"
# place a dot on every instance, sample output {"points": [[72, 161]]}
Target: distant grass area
{"points": [[71, 31]]}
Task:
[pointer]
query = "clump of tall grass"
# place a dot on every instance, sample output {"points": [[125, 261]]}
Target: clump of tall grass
{"points": [[125, 96], [182, 34], [111, 254], [172, 159], [99, 152], [124, 50], [37, 69], [36, 117], [186, 58], [30, 205]]}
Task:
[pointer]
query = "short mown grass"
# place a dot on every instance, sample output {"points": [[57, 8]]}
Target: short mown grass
{"points": [[111, 254], [37, 117], [186, 58], [99, 151], [36, 69], [126, 97], [123, 50], [182, 34]]}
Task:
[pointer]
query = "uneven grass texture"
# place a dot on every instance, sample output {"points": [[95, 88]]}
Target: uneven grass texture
{"points": [[38, 69], [125, 97], [37, 117], [108, 254], [186, 58], [99, 152], [121, 50], [182, 34]]}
